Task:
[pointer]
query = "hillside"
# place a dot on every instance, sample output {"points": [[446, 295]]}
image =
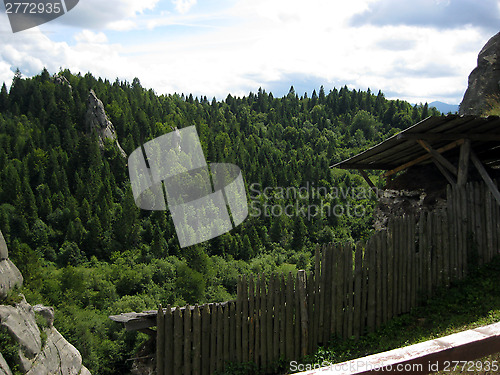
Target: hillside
{"points": [[69, 218]]}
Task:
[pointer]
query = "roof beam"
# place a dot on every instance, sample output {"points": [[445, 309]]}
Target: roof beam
{"points": [[484, 174], [437, 156], [422, 158], [361, 166], [449, 136]]}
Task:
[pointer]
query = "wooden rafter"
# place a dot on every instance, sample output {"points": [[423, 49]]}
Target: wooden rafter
{"points": [[436, 155], [484, 174], [449, 136], [423, 158]]}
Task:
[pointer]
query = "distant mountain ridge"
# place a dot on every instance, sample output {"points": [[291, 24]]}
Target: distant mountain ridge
{"points": [[444, 107]]}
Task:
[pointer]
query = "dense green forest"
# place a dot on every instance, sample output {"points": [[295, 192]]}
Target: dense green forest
{"points": [[72, 227]]}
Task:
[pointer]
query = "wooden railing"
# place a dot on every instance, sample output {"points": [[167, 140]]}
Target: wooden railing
{"points": [[352, 290]]}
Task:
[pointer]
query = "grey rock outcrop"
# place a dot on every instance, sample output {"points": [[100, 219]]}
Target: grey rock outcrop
{"points": [[4, 252], [10, 277], [97, 121], [54, 356], [63, 81], [36, 356], [484, 81], [4, 367]]}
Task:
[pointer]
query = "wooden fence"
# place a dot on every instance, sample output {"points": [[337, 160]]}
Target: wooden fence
{"points": [[352, 290]]}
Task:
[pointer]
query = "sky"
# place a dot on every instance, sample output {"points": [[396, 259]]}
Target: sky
{"points": [[419, 51]]}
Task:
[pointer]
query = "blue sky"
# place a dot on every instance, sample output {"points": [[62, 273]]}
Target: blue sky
{"points": [[414, 50]]}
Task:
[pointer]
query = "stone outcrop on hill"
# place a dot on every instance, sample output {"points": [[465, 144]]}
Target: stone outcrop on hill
{"points": [[9, 274], [484, 81], [97, 121], [42, 349]]}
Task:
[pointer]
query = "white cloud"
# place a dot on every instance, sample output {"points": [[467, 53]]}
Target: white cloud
{"points": [[97, 14], [87, 36], [263, 43], [183, 6]]}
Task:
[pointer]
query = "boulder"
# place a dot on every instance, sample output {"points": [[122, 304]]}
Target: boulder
{"points": [[10, 277], [484, 81]]}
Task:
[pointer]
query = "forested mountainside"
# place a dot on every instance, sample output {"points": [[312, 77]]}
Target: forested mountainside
{"points": [[68, 214]]}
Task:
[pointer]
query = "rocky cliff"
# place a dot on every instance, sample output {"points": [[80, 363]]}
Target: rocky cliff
{"points": [[97, 121], [32, 345], [484, 81]]}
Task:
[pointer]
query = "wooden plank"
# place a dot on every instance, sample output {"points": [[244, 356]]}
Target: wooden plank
{"points": [[231, 306], [336, 291], [196, 341], [421, 257], [251, 319], [429, 255], [276, 317], [463, 163], [321, 325], [358, 272], [205, 339], [187, 341], [257, 322], [220, 337], [445, 173], [464, 226], [226, 335], [383, 255], [390, 271], [169, 341], [349, 273], [244, 320], [178, 347], [378, 280], [297, 319], [397, 267], [282, 319], [273, 322], [403, 259], [420, 159], [289, 307], [310, 311], [484, 174], [213, 338], [328, 304], [453, 244], [437, 156], [238, 318], [414, 266], [160, 342], [264, 327], [304, 316], [317, 306], [372, 283], [364, 290]]}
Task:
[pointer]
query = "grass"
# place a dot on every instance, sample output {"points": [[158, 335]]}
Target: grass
{"points": [[468, 304]]}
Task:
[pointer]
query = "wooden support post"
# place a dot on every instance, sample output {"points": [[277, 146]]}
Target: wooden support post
{"points": [[484, 174], [368, 181], [437, 156], [463, 164]]}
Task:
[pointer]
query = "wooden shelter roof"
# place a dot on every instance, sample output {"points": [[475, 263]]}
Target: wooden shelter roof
{"points": [[442, 133], [450, 142]]}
